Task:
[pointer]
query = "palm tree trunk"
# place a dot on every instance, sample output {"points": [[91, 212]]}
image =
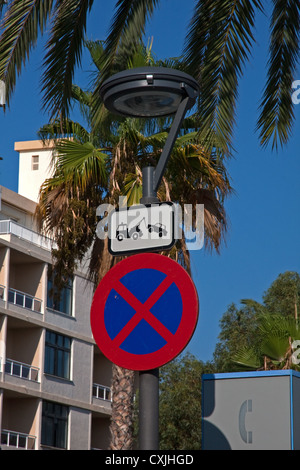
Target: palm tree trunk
{"points": [[121, 427]]}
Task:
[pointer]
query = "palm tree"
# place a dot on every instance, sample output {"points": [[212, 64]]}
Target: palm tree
{"points": [[217, 46], [280, 340], [99, 165]]}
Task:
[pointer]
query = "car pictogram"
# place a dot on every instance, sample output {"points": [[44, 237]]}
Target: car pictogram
{"points": [[158, 228]]}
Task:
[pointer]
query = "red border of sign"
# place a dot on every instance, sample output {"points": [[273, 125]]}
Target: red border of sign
{"points": [[185, 329]]}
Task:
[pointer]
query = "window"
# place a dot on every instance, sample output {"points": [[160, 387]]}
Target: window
{"points": [[54, 425], [57, 355], [59, 299], [35, 162]]}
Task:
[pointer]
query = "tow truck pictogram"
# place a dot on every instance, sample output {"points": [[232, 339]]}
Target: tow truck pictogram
{"points": [[134, 233]]}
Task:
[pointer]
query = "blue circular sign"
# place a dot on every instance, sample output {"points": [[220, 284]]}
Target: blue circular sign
{"points": [[144, 337]]}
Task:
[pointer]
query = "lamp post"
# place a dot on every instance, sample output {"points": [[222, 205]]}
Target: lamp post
{"points": [[150, 92]]}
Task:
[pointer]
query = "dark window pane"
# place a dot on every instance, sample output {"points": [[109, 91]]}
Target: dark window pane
{"points": [[49, 360], [28, 302], [11, 296], [48, 431], [54, 425], [22, 441], [16, 369], [61, 434], [66, 364], [19, 299], [57, 355], [25, 372], [67, 342], [60, 300], [12, 439]]}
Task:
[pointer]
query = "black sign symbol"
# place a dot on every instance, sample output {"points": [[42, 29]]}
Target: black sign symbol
{"points": [[135, 232]]}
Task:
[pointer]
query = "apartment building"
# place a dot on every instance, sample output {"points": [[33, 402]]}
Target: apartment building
{"points": [[54, 381]]}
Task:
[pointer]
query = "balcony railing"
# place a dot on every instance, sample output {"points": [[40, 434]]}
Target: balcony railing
{"points": [[19, 369], [2, 292], [11, 227], [17, 439], [24, 300], [101, 392]]}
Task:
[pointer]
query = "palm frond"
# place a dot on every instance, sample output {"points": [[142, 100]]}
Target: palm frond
{"points": [[217, 46], [197, 176], [56, 130], [127, 29], [97, 52], [275, 348], [81, 96], [81, 164], [64, 50], [20, 25], [142, 56], [279, 325], [3, 5], [129, 54], [277, 115], [133, 188], [247, 359], [215, 219], [84, 100]]}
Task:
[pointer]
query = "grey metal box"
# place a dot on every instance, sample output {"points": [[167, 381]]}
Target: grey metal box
{"points": [[251, 411]]}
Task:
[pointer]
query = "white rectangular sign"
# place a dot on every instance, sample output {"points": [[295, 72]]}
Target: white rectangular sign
{"points": [[141, 228]]}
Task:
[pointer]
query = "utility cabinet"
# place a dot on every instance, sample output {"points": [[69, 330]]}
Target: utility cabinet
{"points": [[251, 411]]}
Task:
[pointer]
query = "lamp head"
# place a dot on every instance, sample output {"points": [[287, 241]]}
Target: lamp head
{"points": [[148, 91]]}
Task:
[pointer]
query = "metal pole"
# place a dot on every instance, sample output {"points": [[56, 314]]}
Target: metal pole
{"points": [[149, 193], [149, 380], [149, 410]]}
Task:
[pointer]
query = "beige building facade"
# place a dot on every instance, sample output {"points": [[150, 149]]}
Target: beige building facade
{"points": [[35, 165], [54, 381]]}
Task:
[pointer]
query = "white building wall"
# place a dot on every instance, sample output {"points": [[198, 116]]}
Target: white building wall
{"points": [[34, 167]]}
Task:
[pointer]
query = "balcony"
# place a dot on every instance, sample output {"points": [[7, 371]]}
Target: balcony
{"points": [[24, 300], [101, 392], [17, 440], [19, 369], [13, 228]]}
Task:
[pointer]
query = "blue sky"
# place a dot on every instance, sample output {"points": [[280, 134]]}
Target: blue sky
{"points": [[264, 221]]}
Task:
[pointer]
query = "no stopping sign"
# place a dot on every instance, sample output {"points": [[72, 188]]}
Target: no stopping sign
{"points": [[144, 312]]}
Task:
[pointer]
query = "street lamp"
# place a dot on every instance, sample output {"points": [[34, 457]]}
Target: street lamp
{"points": [[148, 91], [152, 92]]}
